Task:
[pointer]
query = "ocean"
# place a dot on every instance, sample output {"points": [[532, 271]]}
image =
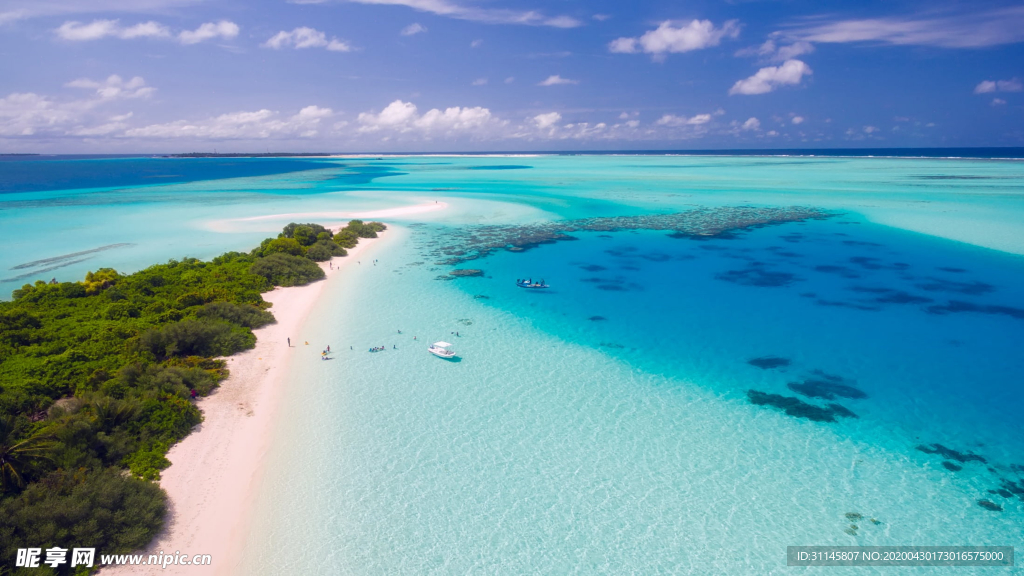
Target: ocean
{"points": [[672, 404]]}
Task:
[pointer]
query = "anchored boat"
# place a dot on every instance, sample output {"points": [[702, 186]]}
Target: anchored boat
{"points": [[442, 350], [531, 284]]}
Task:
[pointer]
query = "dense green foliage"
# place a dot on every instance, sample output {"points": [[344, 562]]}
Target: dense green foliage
{"points": [[97, 377], [99, 508], [287, 270]]}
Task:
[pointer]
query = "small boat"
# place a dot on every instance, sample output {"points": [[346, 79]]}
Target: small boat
{"points": [[442, 350], [531, 284]]}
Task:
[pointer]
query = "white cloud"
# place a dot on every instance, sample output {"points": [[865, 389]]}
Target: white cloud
{"points": [[510, 79], [115, 87], [485, 15], [771, 51], [305, 37], [97, 29], [601, 17], [791, 72], [27, 113], [480, 82], [870, 129], [223, 29], [673, 37], [751, 124], [403, 118], [412, 29], [989, 86], [556, 80], [476, 43], [675, 121], [545, 121], [998, 101], [972, 29], [260, 124], [12, 15], [797, 120]]}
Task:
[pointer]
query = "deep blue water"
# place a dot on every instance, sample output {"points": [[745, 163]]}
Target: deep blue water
{"points": [[23, 174], [927, 330]]}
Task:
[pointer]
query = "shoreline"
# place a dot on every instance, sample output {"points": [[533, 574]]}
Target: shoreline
{"points": [[216, 470], [332, 220]]}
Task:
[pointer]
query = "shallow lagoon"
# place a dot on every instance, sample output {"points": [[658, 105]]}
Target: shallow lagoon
{"points": [[605, 425]]}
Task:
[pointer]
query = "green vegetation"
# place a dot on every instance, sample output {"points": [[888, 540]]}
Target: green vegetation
{"points": [[97, 377]]}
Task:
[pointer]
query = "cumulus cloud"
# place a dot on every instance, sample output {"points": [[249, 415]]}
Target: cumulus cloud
{"points": [[115, 87], [485, 15], [260, 124], [413, 29], [305, 37], [989, 86], [480, 82], [998, 101], [797, 120], [404, 118], [223, 29], [791, 72], [476, 43], [751, 124], [545, 121], [78, 32], [556, 80], [674, 37], [675, 121], [972, 29], [99, 29], [773, 51], [27, 113]]}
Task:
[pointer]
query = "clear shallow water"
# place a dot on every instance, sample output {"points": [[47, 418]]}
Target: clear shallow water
{"points": [[562, 444], [545, 452]]}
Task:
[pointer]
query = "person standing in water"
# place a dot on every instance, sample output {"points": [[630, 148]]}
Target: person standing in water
{"points": [[289, 342]]}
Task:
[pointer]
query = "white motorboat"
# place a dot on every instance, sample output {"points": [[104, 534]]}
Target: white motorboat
{"points": [[442, 350]]}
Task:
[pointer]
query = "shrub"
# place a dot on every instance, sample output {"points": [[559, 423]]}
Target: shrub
{"points": [[241, 314], [83, 509], [346, 238], [282, 246], [286, 270], [196, 338], [324, 250]]}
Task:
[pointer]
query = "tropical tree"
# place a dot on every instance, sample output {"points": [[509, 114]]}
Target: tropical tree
{"points": [[16, 455]]}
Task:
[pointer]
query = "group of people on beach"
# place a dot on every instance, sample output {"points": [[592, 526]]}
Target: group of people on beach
{"points": [[382, 348]]}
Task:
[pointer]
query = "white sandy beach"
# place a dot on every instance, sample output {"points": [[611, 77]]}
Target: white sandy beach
{"points": [[332, 220], [216, 470]]}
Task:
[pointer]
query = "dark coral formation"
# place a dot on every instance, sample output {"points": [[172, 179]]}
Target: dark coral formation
{"points": [[464, 244], [950, 454], [466, 273], [891, 296], [597, 318], [958, 306], [840, 270], [971, 288], [768, 362], [951, 466], [758, 276], [826, 389], [797, 408], [990, 505]]}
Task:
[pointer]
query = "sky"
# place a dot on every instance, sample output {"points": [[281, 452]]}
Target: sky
{"points": [[126, 76]]}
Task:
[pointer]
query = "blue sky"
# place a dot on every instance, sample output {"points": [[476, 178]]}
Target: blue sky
{"points": [[124, 76]]}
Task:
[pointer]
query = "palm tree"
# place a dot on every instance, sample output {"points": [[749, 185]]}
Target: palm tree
{"points": [[16, 455]]}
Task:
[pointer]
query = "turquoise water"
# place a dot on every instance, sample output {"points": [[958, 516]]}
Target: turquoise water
{"points": [[605, 425]]}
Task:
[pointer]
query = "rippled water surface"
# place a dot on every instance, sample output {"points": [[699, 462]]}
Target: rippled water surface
{"points": [[674, 403]]}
